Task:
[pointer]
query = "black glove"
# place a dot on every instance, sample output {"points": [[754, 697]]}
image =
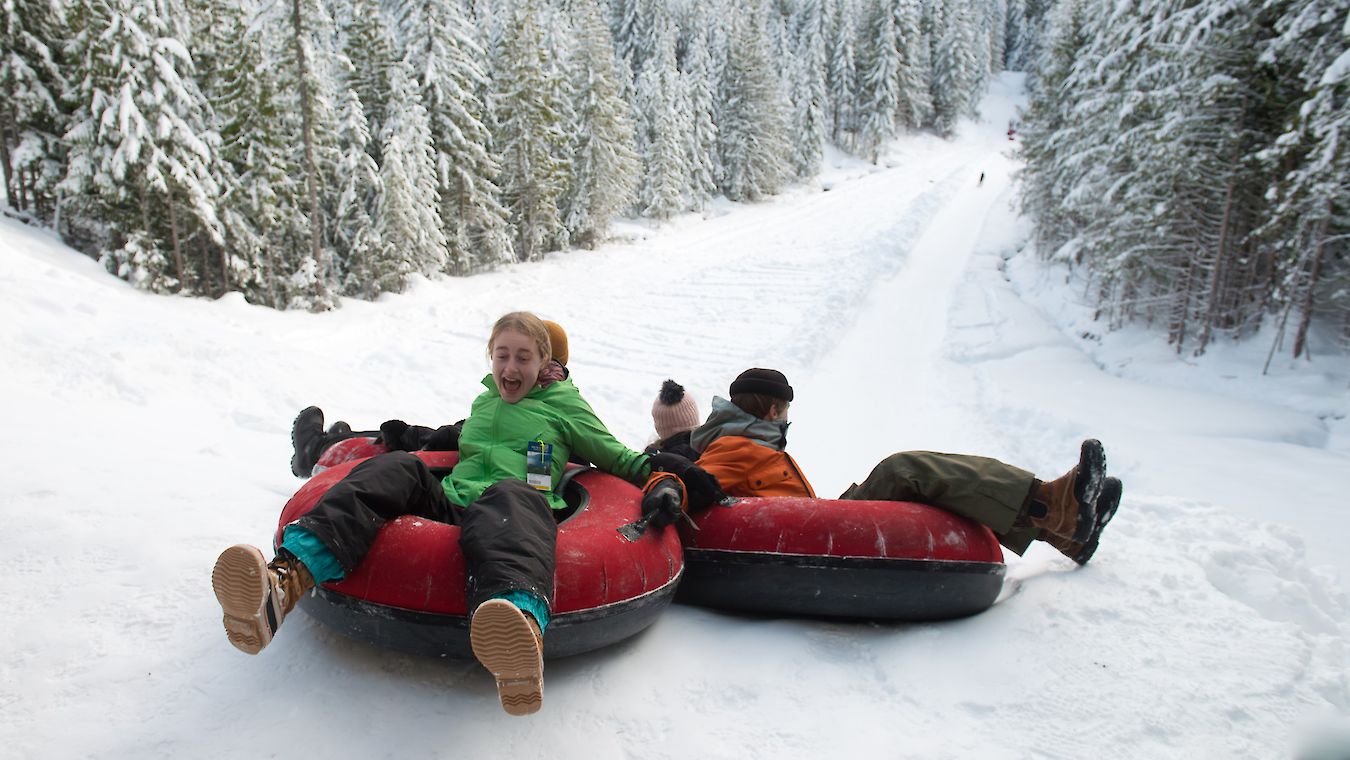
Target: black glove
{"points": [[400, 436], [702, 488], [662, 502], [443, 438], [392, 433]]}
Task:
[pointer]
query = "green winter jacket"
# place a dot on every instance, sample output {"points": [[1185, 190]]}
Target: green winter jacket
{"points": [[493, 441]]}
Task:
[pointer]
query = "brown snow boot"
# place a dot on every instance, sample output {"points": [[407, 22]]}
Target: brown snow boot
{"points": [[256, 596], [507, 641], [1066, 506], [1107, 504]]}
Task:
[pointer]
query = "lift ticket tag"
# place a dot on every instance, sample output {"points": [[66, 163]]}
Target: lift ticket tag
{"points": [[539, 465]]}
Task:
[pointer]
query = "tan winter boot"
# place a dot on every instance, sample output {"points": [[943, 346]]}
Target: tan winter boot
{"points": [[1107, 504], [1066, 506], [256, 596], [507, 641]]}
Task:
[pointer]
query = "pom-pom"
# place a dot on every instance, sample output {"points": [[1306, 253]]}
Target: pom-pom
{"points": [[671, 393]]}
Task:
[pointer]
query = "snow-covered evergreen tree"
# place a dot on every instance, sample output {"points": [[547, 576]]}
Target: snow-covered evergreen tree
{"points": [[449, 63], [751, 120], [699, 90], [1202, 164], [360, 199], [631, 22], [32, 120], [841, 77], [958, 56], [221, 52], [806, 75], [878, 79], [1048, 171], [993, 29], [408, 222], [1014, 51], [914, 102], [531, 132], [370, 53], [1027, 22], [666, 127], [1148, 161], [1309, 224], [262, 200], [606, 167], [141, 150], [303, 36]]}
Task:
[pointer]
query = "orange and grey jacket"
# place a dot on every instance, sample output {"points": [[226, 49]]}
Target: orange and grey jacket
{"points": [[745, 453]]}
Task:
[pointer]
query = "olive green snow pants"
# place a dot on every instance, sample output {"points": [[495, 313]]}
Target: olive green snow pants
{"points": [[985, 490]]}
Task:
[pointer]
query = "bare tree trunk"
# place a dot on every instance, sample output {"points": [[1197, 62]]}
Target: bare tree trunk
{"points": [[7, 135], [224, 270], [145, 212], [1219, 272], [1306, 307], [1181, 307], [177, 244]]}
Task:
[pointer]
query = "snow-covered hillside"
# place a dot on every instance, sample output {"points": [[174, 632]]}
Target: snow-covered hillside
{"points": [[148, 433]]}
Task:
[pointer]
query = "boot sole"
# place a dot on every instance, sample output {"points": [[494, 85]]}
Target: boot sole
{"points": [[311, 414], [1107, 505], [1087, 488], [504, 642], [240, 582]]}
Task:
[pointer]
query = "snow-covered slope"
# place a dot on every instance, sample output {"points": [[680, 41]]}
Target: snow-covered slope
{"points": [[147, 433]]}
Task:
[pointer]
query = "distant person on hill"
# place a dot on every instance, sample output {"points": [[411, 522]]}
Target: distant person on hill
{"points": [[743, 440], [502, 493]]}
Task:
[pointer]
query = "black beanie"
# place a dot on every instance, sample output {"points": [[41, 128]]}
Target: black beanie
{"points": [[768, 382]]}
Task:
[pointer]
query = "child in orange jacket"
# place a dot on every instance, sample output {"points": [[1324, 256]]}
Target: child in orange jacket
{"points": [[743, 444]]}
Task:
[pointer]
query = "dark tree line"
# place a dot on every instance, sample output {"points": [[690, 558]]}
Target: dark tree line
{"points": [[1191, 158]]}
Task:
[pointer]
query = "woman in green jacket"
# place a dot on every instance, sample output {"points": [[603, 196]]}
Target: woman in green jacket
{"points": [[513, 450]]}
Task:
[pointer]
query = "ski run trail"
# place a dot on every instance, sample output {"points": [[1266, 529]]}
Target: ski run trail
{"points": [[148, 433]]}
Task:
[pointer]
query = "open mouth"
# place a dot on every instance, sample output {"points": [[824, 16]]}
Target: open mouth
{"points": [[510, 386]]}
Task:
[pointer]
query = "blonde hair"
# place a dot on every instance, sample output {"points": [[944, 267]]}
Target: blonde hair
{"points": [[526, 324]]}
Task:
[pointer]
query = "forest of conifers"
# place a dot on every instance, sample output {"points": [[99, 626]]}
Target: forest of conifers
{"points": [[1188, 157]]}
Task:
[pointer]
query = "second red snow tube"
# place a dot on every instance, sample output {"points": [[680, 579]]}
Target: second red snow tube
{"points": [[408, 593], [880, 560]]}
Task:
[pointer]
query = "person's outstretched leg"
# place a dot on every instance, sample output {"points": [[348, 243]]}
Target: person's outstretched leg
{"points": [[323, 545], [509, 539], [985, 490], [1010, 501], [349, 515], [255, 595]]}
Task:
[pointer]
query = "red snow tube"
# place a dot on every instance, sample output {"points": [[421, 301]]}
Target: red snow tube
{"points": [[882, 560], [349, 450], [408, 593]]}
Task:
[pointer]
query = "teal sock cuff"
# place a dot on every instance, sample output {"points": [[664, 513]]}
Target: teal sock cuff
{"points": [[530, 603], [307, 548]]}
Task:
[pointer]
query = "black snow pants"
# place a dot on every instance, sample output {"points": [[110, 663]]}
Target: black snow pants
{"points": [[508, 536]]}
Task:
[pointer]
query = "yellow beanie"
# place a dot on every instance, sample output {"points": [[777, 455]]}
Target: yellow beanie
{"points": [[558, 339]]}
